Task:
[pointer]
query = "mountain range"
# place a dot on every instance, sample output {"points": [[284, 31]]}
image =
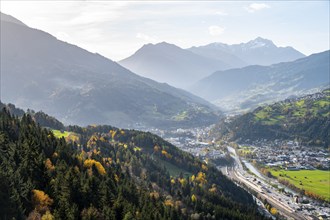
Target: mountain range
{"points": [[179, 67], [169, 63], [240, 89], [39, 71], [259, 51]]}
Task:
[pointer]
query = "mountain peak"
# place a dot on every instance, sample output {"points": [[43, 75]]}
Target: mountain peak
{"points": [[162, 44], [260, 42], [162, 47], [260, 39]]}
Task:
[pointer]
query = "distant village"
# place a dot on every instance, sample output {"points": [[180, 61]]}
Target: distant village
{"points": [[290, 155], [287, 154], [193, 141]]}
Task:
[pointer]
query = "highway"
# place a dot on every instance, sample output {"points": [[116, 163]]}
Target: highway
{"points": [[283, 204], [271, 197]]}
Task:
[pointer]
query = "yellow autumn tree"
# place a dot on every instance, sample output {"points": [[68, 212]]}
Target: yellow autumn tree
{"points": [[169, 202], [204, 167], [90, 162], [40, 200], [213, 189], [167, 155], [47, 216], [49, 165], [96, 152], [113, 133], [193, 178], [183, 181], [100, 168], [102, 139], [91, 143], [201, 177], [116, 178], [273, 211], [193, 198], [154, 195], [172, 181]]}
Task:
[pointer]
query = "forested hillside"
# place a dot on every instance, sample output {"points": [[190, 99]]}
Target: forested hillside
{"points": [[108, 173], [306, 119]]}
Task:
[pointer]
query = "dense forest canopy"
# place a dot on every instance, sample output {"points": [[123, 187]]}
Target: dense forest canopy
{"points": [[108, 173]]}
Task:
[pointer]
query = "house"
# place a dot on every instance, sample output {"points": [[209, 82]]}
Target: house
{"points": [[292, 168]]}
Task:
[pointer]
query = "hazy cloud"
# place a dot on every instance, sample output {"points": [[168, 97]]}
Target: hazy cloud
{"points": [[216, 30], [256, 7]]}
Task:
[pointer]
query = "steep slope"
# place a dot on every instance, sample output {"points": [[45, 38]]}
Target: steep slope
{"points": [[40, 72], [108, 173], [248, 87], [168, 63], [255, 52], [8, 18], [306, 119]]}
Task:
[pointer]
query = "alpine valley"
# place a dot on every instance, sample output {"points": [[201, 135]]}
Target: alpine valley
{"points": [[190, 128]]}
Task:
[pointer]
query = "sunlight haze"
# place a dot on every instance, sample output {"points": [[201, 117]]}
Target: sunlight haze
{"points": [[116, 29]]}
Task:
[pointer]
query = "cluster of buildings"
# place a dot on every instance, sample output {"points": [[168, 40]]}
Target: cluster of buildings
{"points": [[292, 156], [191, 141]]}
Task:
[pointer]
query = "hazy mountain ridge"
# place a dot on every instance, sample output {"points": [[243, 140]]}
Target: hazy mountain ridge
{"points": [[169, 63], [40, 117], [40, 72], [245, 88], [259, 51], [212, 52], [305, 119]]}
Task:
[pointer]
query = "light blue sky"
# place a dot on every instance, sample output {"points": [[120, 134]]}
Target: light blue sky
{"points": [[118, 29]]}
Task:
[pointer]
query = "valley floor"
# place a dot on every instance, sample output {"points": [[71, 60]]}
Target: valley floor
{"points": [[196, 142]]}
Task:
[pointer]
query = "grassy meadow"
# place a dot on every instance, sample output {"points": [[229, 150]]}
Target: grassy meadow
{"points": [[315, 181], [69, 136]]}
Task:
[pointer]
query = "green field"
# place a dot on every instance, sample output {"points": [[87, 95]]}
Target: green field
{"points": [[59, 134], [278, 113], [70, 136], [316, 181], [172, 169], [181, 116]]}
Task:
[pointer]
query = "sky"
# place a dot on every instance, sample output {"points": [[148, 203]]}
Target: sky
{"points": [[116, 29]]}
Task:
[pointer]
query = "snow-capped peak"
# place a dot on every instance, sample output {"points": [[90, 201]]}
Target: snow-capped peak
{"points": [[259, 42]]}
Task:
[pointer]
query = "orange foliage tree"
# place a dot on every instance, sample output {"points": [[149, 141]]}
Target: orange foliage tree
{"points": [[40, 200], [90, 162]]}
